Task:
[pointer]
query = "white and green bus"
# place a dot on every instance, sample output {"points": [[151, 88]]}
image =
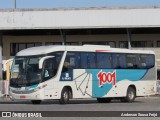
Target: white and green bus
{"points": [[88, 71]]}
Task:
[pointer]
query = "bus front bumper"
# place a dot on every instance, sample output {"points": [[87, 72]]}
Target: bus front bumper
{"points": [[23, 95]]}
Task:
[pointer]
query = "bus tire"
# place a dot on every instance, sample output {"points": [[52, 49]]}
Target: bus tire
{"points": [[130, 96], [104, 100], [36, 101], [64, 96]]}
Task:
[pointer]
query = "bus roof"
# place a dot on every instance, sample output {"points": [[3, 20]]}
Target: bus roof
{"points": [[86, 48]]}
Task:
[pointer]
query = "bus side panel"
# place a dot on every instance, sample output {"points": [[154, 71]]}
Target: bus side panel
{"points": [[114, 83], [145, 87], [120, 89], [81, 83], [97, 83]]}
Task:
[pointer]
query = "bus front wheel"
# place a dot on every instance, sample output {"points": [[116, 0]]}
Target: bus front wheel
{"points": [[131, 95], [64, 96], [36, 101]]}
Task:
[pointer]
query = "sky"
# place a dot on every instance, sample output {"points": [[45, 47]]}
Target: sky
{"points": [[75, 3]]}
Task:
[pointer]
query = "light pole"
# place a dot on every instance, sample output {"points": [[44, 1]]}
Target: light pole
{"points": [[15, 4]]}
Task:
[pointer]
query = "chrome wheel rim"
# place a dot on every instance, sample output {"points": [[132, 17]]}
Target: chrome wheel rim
{"points": [[131, 95], [65, 96]]}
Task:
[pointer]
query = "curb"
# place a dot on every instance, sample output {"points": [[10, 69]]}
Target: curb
{"points": [[5, 98], [152, 96], [156, 95]]}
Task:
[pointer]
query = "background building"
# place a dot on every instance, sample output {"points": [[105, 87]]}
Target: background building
{"points": [[120, 27]]}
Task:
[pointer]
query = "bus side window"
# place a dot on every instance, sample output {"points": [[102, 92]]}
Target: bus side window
{"points": [[115, 61], [100, 60], [107, 60], [131, 61], [143, 61], [84, 60], [77, 60], [65, 67], [48, 69], [69, 62], [91, 60], [138, 61], [104, 60], [122, 61], [72, 61], [150, 61]]}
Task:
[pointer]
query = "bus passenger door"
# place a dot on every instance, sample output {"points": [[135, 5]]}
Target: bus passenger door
{"points": [[68, 66]]}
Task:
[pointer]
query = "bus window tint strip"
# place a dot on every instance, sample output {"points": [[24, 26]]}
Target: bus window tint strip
{"points": [[91, 60]]}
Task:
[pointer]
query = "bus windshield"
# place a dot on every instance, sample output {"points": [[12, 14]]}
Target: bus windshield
{"points": [[25, 70]]}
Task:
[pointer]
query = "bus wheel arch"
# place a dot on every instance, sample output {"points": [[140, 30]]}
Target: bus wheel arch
{"points": [[130, 94], [66, 94]]}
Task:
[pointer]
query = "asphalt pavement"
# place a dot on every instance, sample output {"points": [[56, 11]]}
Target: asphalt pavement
{"points": [[148, 103]]}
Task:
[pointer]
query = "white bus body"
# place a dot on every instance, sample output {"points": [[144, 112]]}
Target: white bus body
{"points": [[88, 71]]}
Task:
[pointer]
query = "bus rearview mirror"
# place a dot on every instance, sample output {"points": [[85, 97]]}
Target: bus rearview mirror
{"points": [[43, 59]]}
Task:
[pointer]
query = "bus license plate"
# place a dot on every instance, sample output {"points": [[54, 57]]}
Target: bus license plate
{"points": [[22, 97]]}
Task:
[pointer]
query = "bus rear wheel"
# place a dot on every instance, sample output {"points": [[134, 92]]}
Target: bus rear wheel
{"points": [[104, 100], [131, 95], [36, 101], [64, 96]]}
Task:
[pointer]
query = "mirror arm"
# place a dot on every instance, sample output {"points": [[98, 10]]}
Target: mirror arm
{"points": [[43, 59]]}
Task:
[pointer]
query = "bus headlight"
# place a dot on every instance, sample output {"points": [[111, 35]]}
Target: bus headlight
{"points": [[40, 87]]}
